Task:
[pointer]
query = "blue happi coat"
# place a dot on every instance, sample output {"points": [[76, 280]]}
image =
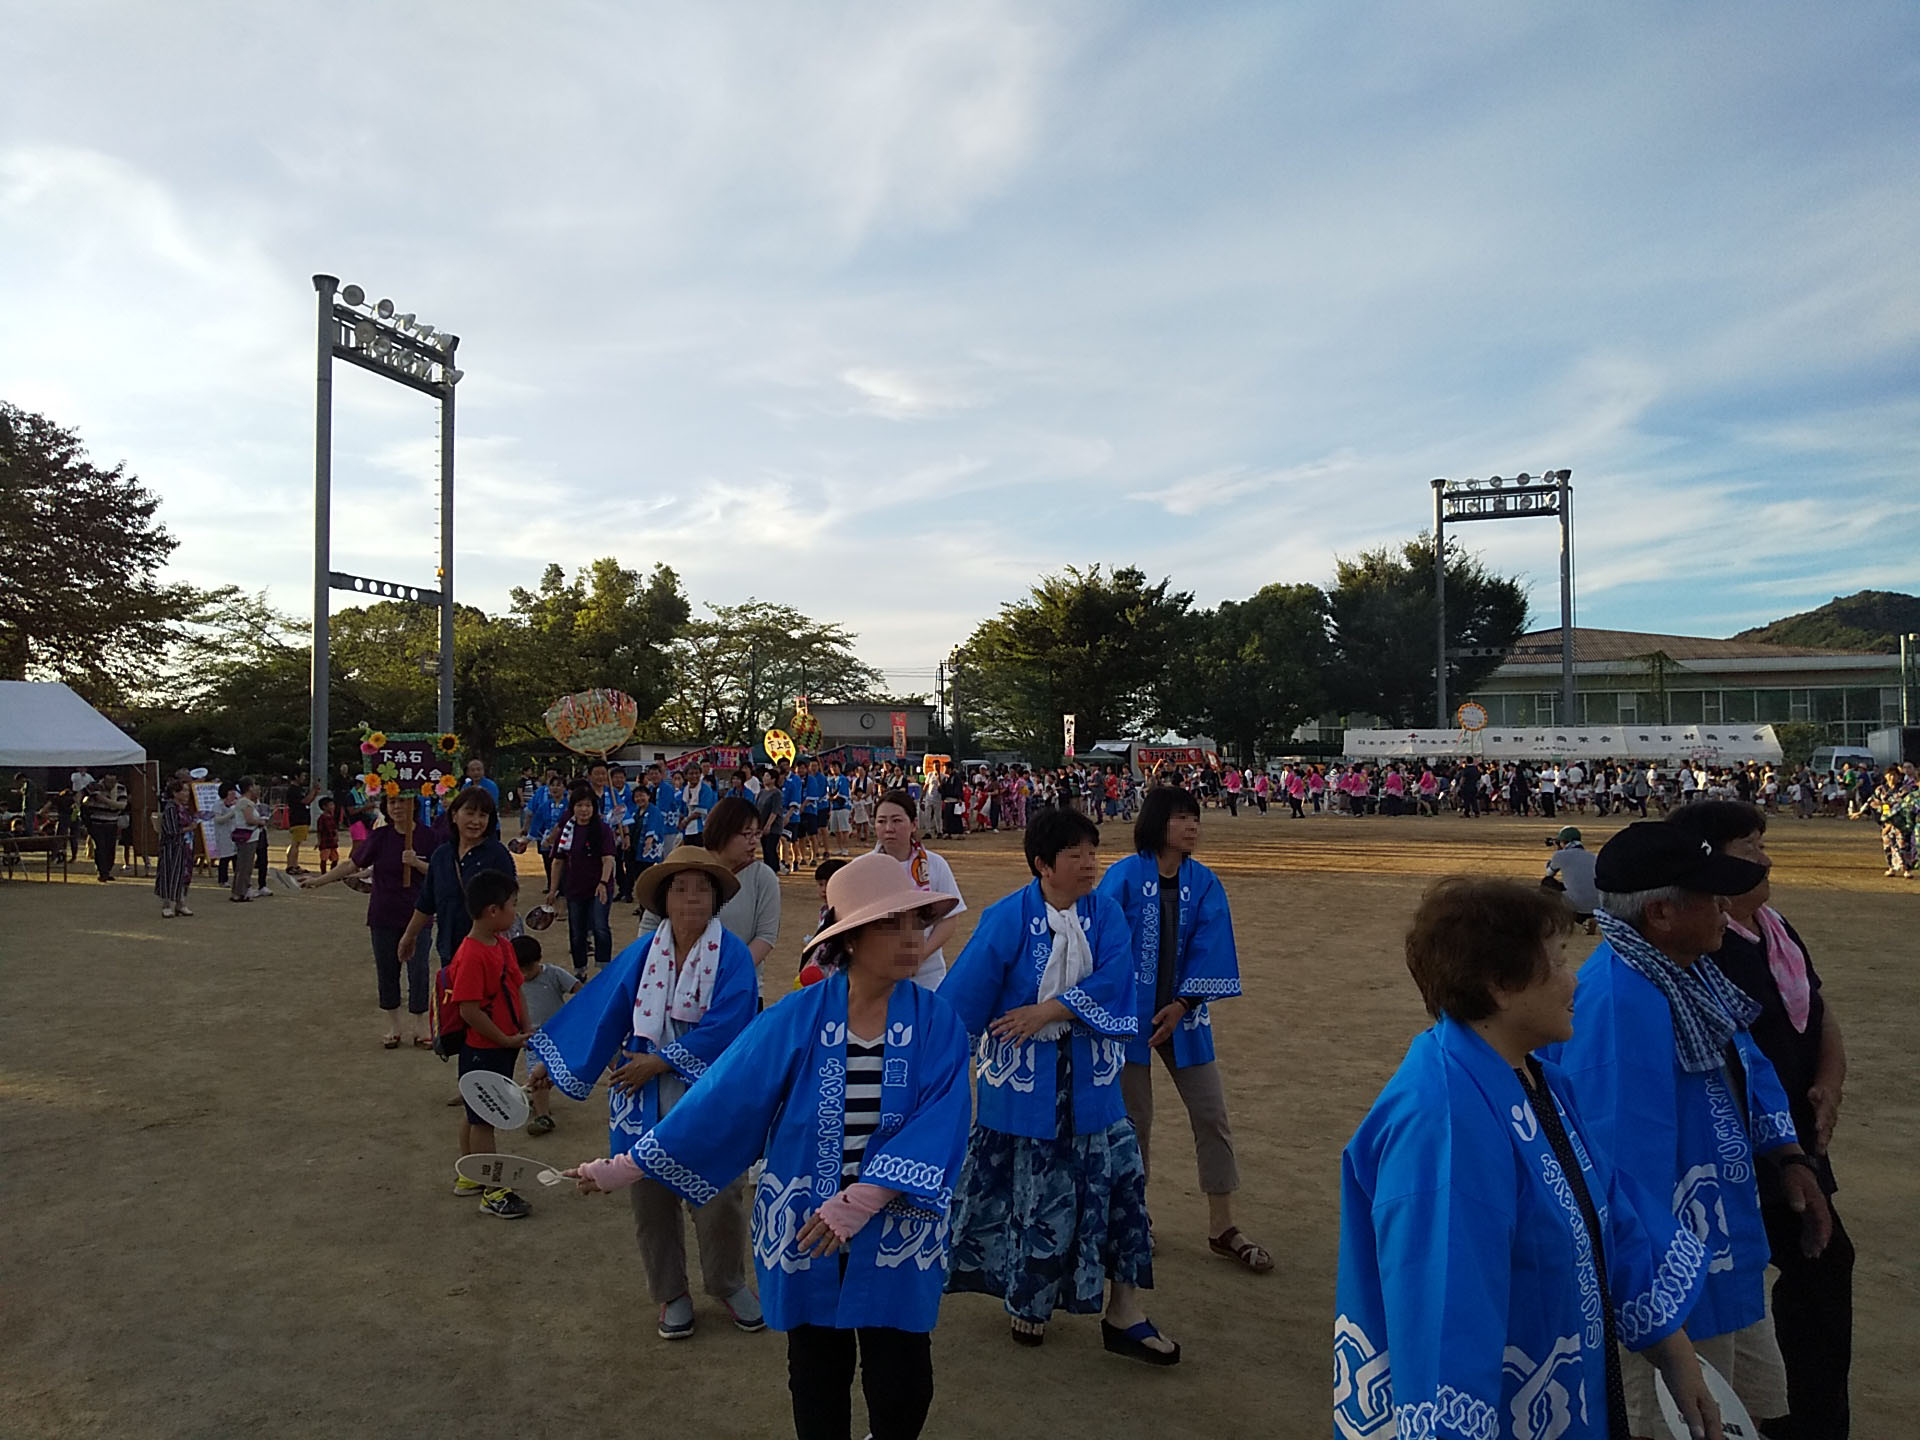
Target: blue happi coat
{"points": [[1000, 970], [595, 1029], [1206, 965], [1678, 1133], [780, 1091], [1468, 1297]]}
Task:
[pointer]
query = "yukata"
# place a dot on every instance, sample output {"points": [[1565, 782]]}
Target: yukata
{"points": [[174, 871], [595, 1029], [1205, 965], [1053, 1204], [1482, 1287], [779, 1093]]}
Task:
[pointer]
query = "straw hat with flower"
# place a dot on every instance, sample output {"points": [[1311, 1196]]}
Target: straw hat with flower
{"points": [[871, 888], [651, 887]]}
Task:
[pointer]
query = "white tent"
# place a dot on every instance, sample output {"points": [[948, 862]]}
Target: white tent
{"points": [[1714, 744], [46, 724]]}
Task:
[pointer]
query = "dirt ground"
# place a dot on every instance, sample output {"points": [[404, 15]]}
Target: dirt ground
{"points": [[227, 1209]]}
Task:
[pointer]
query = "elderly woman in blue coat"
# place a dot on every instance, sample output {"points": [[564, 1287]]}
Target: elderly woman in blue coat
{"points": [[1490, 1255], [661, 1015], [854, 1091], [1053, 1211]]}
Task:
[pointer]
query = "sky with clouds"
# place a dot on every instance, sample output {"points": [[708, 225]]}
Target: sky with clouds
{"points": [[883, 310]]}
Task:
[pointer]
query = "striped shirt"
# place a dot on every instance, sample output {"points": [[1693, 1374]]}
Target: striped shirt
{"points": [[864, 1068]]}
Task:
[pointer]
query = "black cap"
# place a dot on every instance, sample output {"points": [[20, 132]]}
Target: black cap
{"points": [[1653, 855]]}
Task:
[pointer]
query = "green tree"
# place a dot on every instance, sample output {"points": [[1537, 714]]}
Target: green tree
{"points": [[607, 627], [1255, 669], [1083, 643], [1382, 608], [80, 556], [740, 670], [231, 693]]}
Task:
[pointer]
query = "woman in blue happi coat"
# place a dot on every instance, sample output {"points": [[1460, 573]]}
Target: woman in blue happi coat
{"points": [[1183, 955], [661, 1015], [1490, 1256], [854, 1091], [1052, 1214]]}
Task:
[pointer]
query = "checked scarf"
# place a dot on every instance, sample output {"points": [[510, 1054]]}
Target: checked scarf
{"points": [[1707, 1007]]}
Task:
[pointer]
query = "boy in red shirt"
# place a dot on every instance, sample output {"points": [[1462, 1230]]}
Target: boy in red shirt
{"points": [[484, 982]]}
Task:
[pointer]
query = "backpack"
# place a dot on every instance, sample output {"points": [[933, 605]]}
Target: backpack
{"points": [[449, 1029]]}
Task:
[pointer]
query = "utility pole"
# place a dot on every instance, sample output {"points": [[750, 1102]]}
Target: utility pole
{"points": [[940, 696]]}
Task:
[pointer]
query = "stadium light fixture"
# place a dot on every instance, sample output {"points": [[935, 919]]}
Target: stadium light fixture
{"points": [[419, 357], [1458, 500]]}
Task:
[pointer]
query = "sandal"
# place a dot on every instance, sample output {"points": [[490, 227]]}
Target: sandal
{"points": [[421, 1042], [1132, 1342], [1033, 1338], [392, 1042], [1230, 1244]]}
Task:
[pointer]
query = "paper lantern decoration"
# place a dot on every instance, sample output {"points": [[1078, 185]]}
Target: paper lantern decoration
{"points": [[593, 722]]}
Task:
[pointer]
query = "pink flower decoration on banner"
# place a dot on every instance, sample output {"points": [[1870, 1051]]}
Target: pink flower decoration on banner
{"points": [[367, 749]]}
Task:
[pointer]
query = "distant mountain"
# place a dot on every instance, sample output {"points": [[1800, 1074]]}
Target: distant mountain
{"points": [[1870, 620]]}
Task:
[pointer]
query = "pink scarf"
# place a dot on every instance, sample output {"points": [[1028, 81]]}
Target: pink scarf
{"points": [[1786, 961]]}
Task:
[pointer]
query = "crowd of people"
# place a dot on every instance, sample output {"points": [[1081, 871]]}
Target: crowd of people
{"points": [[1613, 1158]]}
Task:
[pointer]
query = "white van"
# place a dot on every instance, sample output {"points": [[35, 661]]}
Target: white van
{"points": [[1832, 759]]}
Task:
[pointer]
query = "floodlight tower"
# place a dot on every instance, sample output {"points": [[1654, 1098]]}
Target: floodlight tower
{"points": [[398, 348], [1521, 498]]}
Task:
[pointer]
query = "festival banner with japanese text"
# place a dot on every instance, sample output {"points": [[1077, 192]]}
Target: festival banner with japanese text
{"points": [[1068, 726], [415, 762], [899, 734]]}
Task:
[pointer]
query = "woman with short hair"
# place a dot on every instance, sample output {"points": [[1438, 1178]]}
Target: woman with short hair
{"points": [[854, 1091], [394, 856], [580, 869], [929, 872], [660, 1015], [174, 871], [1052, 1212], [1489, 1255], [753, 914]]}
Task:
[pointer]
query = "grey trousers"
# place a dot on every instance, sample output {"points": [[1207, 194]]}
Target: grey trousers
{"points": [[243, 863], [1206, 1102], [720, 1225]]}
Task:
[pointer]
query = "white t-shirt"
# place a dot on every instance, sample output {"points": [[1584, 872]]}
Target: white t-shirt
{"points": [[79, 780], [940, 881]]}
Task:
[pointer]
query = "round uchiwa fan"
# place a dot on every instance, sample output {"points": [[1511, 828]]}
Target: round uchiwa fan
{"points": [[593, 722]]}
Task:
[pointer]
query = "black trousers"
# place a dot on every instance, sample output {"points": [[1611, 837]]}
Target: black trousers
{"points": [[1813, 1320], [626, 870], [896, 1376], [105, 835]]}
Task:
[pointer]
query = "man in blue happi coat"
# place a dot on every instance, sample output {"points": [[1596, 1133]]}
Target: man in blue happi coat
{"points": [[1677, 1094]]}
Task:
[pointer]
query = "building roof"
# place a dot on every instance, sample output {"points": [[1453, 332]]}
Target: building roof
{"points": [[1599, 646]]}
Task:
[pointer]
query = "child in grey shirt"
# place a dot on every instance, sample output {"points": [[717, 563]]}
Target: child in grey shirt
{"points": [[543, 990]]}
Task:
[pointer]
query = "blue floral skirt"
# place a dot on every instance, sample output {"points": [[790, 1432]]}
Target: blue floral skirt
{"points": [[1044, 1224]]}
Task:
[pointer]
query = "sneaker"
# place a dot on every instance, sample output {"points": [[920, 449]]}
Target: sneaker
{"points": [[540, 1125], [676, 1318], [744, 1306], [463, 1186], [259, 893], [181, 910], [166, 912], [505, 1204]]}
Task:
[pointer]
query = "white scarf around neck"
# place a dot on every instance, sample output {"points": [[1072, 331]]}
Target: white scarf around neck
{"points": [[1070, 962], [664, 996]]}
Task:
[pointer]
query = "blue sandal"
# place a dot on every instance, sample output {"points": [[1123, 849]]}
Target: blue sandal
{"points": [[1132, 1343]]}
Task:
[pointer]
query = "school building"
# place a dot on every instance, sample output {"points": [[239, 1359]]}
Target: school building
{"points": [[1627, 677]]}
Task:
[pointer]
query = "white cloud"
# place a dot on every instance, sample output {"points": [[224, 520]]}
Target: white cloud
{"points": [[1211, 289]]}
